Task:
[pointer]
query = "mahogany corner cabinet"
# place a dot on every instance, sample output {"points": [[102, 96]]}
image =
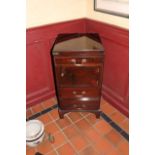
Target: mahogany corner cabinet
{"points": [[77, 61]]}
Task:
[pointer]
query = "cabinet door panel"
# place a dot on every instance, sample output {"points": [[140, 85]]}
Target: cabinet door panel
{"points": [[78, 76]]}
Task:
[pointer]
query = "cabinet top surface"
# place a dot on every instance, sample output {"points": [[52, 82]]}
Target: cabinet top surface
{"points": [[77, 42]]}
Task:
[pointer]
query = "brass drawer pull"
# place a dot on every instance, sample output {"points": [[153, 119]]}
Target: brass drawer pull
{"points": [[79, 95], [83, 92], [84, 60], [73, 60], [62, 74], [74, 92]]}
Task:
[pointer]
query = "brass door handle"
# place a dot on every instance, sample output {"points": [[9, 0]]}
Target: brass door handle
{"points": [[79, 95], [84, 60], [73, 60], [62, 74], [83, 92], [74, 92]]}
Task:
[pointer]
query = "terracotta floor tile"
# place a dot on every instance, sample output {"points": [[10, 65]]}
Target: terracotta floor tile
{"points": [[30, 151], [52, 153], [125, 125], [66, 149], [114, 137], [88, 151], [83, 125], [28, 113], [103, 146], [93, 136], [54, 113], [84, 113], [51, 128], [59, 139], [107, 109], [44, 147], [103, 127], [124, 147], [45, 118], [48, 103], [92, 119], [37, 108], [117, 117], [62, 123], [27, 147], [71, 131], [114, 151], [74, 116], [79, 142]]}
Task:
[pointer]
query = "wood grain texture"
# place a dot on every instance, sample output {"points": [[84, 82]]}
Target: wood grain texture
{"points": [[78, 78]]}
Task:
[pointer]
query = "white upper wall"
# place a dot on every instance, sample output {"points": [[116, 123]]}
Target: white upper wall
{"points": [[42, 12], [107, 18]]}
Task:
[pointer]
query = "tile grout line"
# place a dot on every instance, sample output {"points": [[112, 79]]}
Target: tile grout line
{"points": [[87, 139], [115, 126], [66, 138], [79, 131], [73, 123], [103, 115], [60, 130], [91, 143], [122, 132]]}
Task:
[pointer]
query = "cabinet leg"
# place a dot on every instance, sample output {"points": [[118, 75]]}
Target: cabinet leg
{"points": [[97, 114], [61, 114]]}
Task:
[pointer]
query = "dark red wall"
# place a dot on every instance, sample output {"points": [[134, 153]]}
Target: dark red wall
{"points": [[39, 78], [116, 68], [39, 71]]}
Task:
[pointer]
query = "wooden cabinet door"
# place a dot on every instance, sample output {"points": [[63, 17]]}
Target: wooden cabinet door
{"points": [[71, 76]]}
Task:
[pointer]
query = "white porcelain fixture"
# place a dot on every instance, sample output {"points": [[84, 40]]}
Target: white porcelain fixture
{"points": [[34, 132]]}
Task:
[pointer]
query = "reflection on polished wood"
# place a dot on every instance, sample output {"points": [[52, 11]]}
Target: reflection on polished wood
{"points": [[78, 70]]}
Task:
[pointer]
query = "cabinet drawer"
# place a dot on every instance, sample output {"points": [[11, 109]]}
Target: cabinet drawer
{"points": [[79, 92], [75, 61], [75, 104]]}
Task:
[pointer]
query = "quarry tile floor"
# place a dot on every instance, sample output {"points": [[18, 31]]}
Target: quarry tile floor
{"points": [[80, 133]]}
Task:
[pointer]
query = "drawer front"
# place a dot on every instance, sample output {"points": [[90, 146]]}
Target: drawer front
{"points": [[78, 76], [78, 60], [78, 93], [75, 104]]}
